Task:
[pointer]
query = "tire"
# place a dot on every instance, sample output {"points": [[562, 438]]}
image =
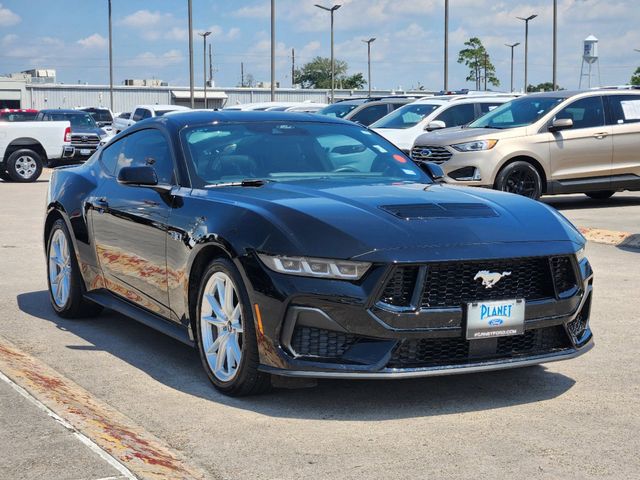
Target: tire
{"points": [[521, 178], [66, 295], [235, 333], [600, 195], [24, 166], [5, 176]]}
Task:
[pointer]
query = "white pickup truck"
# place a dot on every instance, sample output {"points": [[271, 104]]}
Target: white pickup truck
{"points": [[26, 147], [142, 112]]}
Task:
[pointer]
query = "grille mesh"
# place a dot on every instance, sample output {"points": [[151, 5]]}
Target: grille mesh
{"points": [[433, 352], [317, 342], [436, 153], [563, 274], [399, 288]]}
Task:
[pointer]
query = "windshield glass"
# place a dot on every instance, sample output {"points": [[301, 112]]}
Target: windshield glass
{"points": [[292, 151], [517, 113], [101, 115], [338, 110], [78, 120], [406, 116]]}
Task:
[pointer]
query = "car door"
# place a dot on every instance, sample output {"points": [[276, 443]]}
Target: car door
{"points": [[624, 119], [585, 150], [130, 222]]}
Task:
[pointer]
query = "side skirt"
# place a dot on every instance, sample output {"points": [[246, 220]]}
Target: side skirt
{"points": [[108, 300]]}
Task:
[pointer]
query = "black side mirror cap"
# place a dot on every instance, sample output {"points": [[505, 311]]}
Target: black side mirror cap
{"points": [[144, 176], [433, 170]]}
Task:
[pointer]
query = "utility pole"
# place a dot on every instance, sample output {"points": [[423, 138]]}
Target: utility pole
{"points": [[273, 50], [333, 63], [241, 74], [512, 46], [369, 42], [210, 67], [293, 68], [526, 21], [191, 85], [110, 61], [555, 45], [204, 64], [446, 45]]}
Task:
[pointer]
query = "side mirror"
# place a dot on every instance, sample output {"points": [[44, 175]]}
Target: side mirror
{"points": [[433, 170], [144, 176], [435, 125], [561, 124]]}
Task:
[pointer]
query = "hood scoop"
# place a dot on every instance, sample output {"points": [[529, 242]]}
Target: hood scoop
{"points": [[426, 211]]}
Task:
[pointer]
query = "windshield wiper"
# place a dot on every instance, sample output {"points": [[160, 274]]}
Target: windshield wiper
{"points": [[247, 182], [490, 126]]}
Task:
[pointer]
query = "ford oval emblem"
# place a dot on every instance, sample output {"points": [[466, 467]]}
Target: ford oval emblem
{"points": [[425, 152], [494, 322]]}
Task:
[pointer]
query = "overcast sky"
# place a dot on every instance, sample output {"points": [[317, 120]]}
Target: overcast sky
{"points": [[151, 41]]}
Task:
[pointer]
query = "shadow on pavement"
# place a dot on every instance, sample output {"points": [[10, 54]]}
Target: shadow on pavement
{"points": [[178, 366], [573, 202]]}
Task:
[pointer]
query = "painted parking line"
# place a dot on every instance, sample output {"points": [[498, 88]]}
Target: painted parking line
{"points": [[612, 237], [138, 453]]}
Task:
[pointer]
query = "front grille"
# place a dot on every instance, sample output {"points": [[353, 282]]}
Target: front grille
{"points": [[434, 352], [317, 342], [85, 139], [430, 153], [452, 284]]}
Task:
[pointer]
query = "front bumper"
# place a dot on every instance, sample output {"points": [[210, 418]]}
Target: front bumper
{"points": [[365, 340]]}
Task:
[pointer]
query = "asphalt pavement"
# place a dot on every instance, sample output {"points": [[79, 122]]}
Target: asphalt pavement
{"points": [[567, 420]]}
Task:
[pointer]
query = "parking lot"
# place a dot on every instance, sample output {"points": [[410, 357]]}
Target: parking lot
{"points": [[574, 419]]}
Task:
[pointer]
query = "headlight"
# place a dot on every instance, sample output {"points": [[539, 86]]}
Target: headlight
{"points": [[476, 146], [315, 267], [580, 255]]}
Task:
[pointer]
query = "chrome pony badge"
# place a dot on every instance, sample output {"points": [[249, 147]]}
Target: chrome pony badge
{"points": [[489, 279]]}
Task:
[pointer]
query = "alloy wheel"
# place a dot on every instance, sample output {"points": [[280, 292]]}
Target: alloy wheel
{"points": [[221, 326], [25, 166], [59, 268], [522, 182]]}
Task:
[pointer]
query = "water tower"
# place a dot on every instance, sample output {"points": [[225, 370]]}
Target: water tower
{"points": [[589, 59]]}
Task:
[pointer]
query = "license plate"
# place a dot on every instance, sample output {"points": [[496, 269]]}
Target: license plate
{"points": [[85, 151], [500, 318]]}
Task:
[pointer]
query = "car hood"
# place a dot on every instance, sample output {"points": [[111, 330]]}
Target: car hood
{"points": [[451, 136], [402, 138], [341, 219]]}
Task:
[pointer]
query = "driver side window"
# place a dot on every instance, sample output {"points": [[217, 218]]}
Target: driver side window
{"points": [[585, 113], [148, 148]]}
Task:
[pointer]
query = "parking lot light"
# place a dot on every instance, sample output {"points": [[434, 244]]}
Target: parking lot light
{"points": [[331, 10], [526, 21], [512, 46], [191, 86], [369, 42], [204, 68]]}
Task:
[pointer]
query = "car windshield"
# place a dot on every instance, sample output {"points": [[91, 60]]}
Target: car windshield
{"points": [[338, 110], [76, 119], [293, 151], [517, 113], [406, 116], [101, 115]]}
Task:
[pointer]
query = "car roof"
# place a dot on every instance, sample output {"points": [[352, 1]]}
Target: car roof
{"points": [[66, 111], [163, 107], [574, 93], [190, 117]]}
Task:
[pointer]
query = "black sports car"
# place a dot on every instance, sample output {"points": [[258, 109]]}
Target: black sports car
{"points": [[299, 245]]}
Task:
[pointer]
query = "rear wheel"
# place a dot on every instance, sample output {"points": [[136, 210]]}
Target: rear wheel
{"points": [[600, 195], [521, 178], [64, 278], [227, 340], [24, 166], [5, 176]]}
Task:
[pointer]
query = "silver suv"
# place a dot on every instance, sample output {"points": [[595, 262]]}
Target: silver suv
{"points": [[545, 143]]}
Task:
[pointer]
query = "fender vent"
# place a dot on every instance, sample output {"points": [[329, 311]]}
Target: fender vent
{"points": [[424, 211]]}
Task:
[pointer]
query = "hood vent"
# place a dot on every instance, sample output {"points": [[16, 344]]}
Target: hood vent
{"points": [[425, 211]]}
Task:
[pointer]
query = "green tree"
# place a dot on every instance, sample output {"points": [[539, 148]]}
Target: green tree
{"points": [[635, 78], [476, 58], [317, 74], [542, 87]]}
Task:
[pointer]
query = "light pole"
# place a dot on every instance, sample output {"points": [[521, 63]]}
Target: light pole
{"points": [[512, 46], [446, 45], [204, 64], [369, 42], [526, 21], [333, 64], [555, 45], [191, 88], [273, 50], [110, 61]]}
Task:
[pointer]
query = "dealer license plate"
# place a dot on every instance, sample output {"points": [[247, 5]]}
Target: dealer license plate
{"points": [[500, 318]]}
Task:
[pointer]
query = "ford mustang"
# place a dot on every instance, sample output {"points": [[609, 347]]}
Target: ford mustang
{"points": [[305, 246]]}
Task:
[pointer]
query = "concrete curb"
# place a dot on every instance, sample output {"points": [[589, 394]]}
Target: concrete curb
{"points": [[612, 237]]}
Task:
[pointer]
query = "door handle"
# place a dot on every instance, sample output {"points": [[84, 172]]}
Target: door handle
{"points": [[100, 204], [600, 135]]}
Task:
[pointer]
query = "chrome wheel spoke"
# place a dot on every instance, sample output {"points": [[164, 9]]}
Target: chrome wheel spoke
{"points": [[59, 268]]}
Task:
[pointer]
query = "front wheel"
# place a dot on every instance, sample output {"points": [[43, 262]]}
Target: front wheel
{"points": [[5, 176], [600, 195], [521, 178], [227, 340], [64, 278]]}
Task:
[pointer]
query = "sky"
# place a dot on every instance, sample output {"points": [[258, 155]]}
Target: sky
{"points": [[150, 39]]}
